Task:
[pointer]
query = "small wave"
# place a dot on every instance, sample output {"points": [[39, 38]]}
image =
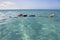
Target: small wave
{"points": [[3, 16]]}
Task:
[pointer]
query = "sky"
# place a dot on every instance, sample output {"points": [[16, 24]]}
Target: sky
{"points": [[29, 4]]}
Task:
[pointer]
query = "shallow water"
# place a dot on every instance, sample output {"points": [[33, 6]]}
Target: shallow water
{"points": [[29, 28]]}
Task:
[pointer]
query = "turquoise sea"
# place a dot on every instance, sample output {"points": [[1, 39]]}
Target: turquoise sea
{"points": [[29, 28]]}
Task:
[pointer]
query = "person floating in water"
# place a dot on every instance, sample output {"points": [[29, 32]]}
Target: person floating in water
{"points": [[52, 15]]}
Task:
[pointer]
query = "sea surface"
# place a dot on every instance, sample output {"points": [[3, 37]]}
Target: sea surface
{"points": [[29, 28]]}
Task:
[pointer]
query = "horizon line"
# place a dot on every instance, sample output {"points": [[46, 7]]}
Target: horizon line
{"points": [[29, 9]]}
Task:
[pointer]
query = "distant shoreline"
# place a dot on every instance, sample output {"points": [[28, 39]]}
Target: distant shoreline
{"points": [[30, 9]]}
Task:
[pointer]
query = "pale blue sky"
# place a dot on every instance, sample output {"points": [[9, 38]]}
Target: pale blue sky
{"points": [[35, 4]]}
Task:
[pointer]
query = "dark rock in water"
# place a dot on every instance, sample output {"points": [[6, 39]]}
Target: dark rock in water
{"points": [[24, 15], [20, 15]]}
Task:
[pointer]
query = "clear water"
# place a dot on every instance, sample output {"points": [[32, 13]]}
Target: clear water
{"points": [[29, 28]]}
